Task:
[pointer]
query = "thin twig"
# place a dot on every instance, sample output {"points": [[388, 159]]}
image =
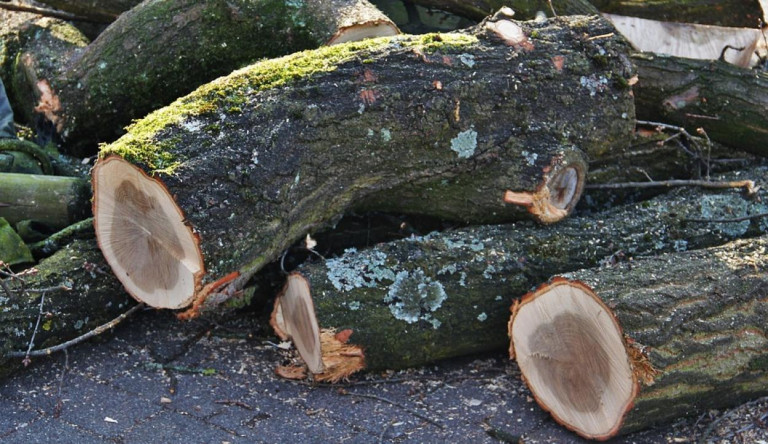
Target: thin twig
{"points": [[34, 332], [59, 402], [714, 423], [96, 331], [748, 185], [393, 403], [728, 220]]}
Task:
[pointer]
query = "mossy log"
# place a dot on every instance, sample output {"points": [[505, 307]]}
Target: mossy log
{"points": [[79, 294], [159, 51], [258, 159], [55, 201], [701, 317], [420, 299], [728, 102], [734, 13]]}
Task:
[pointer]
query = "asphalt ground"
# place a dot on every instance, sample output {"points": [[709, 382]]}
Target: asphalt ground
{"points": [[158, 380]]}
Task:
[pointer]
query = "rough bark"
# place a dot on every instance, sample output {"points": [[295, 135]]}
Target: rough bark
{"points": [[93, 298], [421, 299], [727, 101], [255, 165], [701, 316], [735, 13], [159, 51], [55, 201]]}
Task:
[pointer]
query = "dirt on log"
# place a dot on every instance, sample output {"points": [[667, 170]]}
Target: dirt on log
{"points": [[420, 299], [261, 157]]}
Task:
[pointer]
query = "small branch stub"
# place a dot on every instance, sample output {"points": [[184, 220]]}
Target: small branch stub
{"points": [[572, 355], [558, 193], [142, 234]]}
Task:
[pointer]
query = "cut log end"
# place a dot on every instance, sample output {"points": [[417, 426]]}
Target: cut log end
{"points": [[361, 31], [558, 194], [142, 234], [572, 355], [325, 352]]}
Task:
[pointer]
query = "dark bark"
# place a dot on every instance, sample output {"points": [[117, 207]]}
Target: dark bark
{"points": [[255, 165], [159, 51], [727, 101], [702, 318], [93, 298], [524, 9], [476, 272], [104, 11]]}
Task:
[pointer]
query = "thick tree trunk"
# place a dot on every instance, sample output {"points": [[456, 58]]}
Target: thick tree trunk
{"points": [[159, 51], [702, 317], [255, 166], [735, 13], [94, 296], [727, 101], [417, 300]]}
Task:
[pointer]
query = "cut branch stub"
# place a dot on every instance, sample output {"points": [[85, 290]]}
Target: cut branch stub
{"points": [[572, 355], [558, 193], [142, 234]]}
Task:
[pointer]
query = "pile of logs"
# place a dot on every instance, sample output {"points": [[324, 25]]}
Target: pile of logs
{"points": [[621, 316]]}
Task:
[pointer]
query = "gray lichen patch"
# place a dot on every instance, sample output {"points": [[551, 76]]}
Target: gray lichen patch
{"points": [[725, 207], [354, 270], [414, 296], [465, 143]]}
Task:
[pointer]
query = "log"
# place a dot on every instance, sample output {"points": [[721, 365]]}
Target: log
{"points": [[421, 299], [258, 159], [55, 201], [79, 293], [727, 101], [735, 13], [103, 11], [524, 9], [701, 318], [159, 51]]}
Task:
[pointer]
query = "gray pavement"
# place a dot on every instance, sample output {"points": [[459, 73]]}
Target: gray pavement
{"points": [[157, 380]]}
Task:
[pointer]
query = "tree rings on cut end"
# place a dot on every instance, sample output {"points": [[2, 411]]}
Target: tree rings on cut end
{"points": [[572, 355], [142, 234]]}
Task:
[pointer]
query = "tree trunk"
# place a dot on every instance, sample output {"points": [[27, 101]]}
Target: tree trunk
{"points": [[55, 201], [94, 297], [259, 158], [159, 51], [702, 318], [421, 299], [727, 101], [734, 13]]}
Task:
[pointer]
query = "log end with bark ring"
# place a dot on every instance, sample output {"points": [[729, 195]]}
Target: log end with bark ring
{"points": [[361, 31], [143, 235], [573, 357], [559, 192], [325, 352]]}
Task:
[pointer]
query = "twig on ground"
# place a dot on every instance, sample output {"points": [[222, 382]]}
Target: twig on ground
{"points": [[59, 402], [711, 428], [398, 405], [63, 346], [26, 360]]}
